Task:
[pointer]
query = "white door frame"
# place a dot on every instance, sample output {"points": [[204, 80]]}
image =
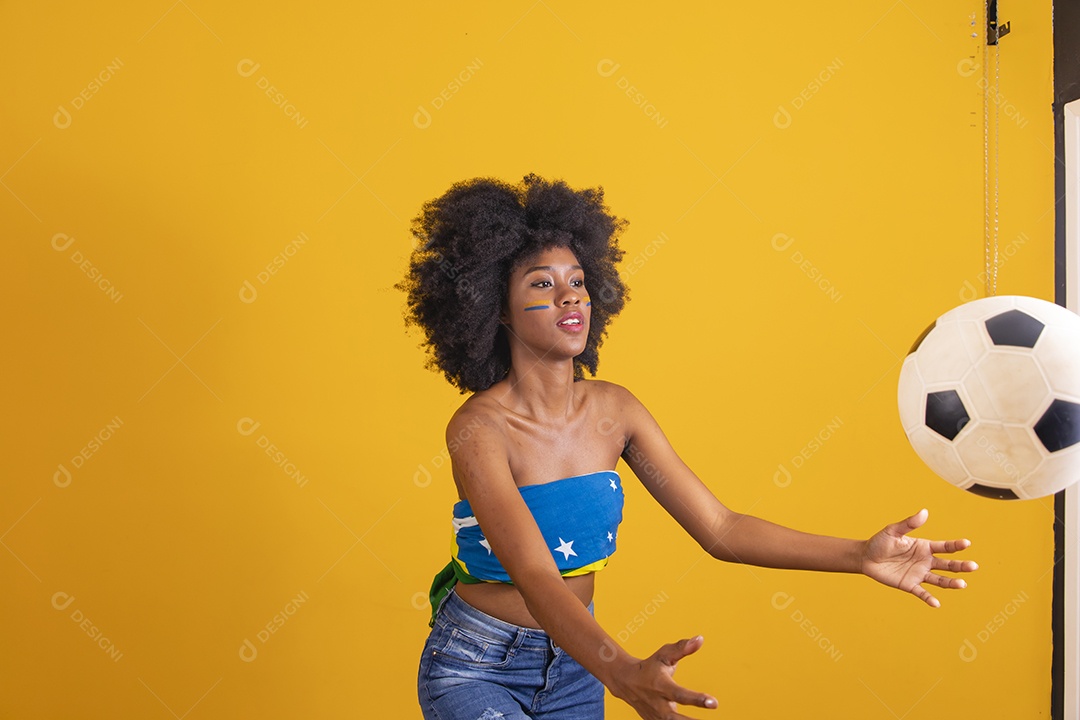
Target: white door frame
{"points": [[1072, 494]]}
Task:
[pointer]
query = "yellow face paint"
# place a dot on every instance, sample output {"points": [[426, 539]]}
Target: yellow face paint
{"points": [[537, 305], [588, 302]]}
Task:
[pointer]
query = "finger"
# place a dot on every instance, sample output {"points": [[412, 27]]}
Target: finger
{"points": [[954, 565], [908, 524], [949, 546], [916, 521], [682, 696], [920, 592], [677, 716], [945, 582], [674, 652], [670, 655]]}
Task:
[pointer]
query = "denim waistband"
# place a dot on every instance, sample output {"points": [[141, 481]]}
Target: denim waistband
{"points": [[460, 613]]}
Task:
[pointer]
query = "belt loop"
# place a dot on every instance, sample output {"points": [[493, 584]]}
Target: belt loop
{"points": [[520, 636]]}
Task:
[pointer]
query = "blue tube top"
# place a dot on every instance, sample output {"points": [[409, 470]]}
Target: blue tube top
{"points": [[578, 516]]}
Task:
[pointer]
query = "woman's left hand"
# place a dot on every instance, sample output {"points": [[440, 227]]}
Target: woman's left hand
{"points": [[899, 561]]}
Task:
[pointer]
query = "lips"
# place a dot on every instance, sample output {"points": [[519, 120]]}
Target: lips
{"points": [[572, 321]]}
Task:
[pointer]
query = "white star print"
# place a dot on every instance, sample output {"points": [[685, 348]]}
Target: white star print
{"points": [[486, 545], [566, 548], [609, 537], [614, 487]]}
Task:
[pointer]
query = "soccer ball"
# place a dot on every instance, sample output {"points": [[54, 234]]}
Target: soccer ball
{"points": [[989, 397]]}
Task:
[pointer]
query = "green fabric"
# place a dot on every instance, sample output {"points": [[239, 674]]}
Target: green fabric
{"points": [[444, 581]]}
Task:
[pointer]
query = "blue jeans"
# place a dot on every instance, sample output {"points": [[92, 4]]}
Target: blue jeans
{"points": [[476, 667]]}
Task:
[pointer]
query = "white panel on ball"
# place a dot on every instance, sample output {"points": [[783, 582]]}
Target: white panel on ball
{"points": [[911, 384], [999, 455], [1061, 365], [1014, 385], [940, 456], [948, 352]]}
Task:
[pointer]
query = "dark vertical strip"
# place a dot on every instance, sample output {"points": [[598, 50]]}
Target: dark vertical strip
{"points": [[1066, 89], [1057, 662], [991, 22]]}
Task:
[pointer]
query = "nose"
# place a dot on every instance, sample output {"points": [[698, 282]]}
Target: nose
{"points": [[570, 296]]}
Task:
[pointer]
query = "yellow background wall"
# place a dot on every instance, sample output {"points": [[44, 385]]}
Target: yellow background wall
{"points": [[226, 490]]}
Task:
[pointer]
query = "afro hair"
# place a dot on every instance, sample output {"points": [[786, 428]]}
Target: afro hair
{"points": [[471, 238]]}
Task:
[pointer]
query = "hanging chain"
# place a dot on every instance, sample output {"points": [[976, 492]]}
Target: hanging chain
{"points": [[991, 196], [997, 155]]}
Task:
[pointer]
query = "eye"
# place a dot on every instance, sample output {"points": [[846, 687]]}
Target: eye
{"points": [[577, 283], [541, 284]]}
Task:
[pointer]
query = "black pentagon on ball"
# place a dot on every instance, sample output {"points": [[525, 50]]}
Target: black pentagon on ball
{"points": [[993, 492], [945, 413], [1014, 328], [1059, 427]]}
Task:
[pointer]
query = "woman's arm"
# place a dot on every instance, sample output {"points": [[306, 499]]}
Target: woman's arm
{"points": [[889, 556], [481, 467]]}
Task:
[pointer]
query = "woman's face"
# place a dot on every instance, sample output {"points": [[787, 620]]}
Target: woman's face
{"points": [[548, 307]]}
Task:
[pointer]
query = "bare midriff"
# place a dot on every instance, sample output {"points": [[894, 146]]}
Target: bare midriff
{"points": [[504, 602]]}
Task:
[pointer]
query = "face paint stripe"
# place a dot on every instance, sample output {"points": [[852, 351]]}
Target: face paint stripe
{"points": [[537, 305]]}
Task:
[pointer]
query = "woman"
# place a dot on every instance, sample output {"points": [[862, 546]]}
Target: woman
{"points": [[514, 287]]}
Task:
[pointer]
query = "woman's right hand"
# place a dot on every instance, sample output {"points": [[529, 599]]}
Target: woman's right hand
{"points": [[649, 685]]}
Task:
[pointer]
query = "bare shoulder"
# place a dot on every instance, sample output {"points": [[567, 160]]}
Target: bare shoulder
{"points": [[615, 397], [479, 416], [476, 441]]}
